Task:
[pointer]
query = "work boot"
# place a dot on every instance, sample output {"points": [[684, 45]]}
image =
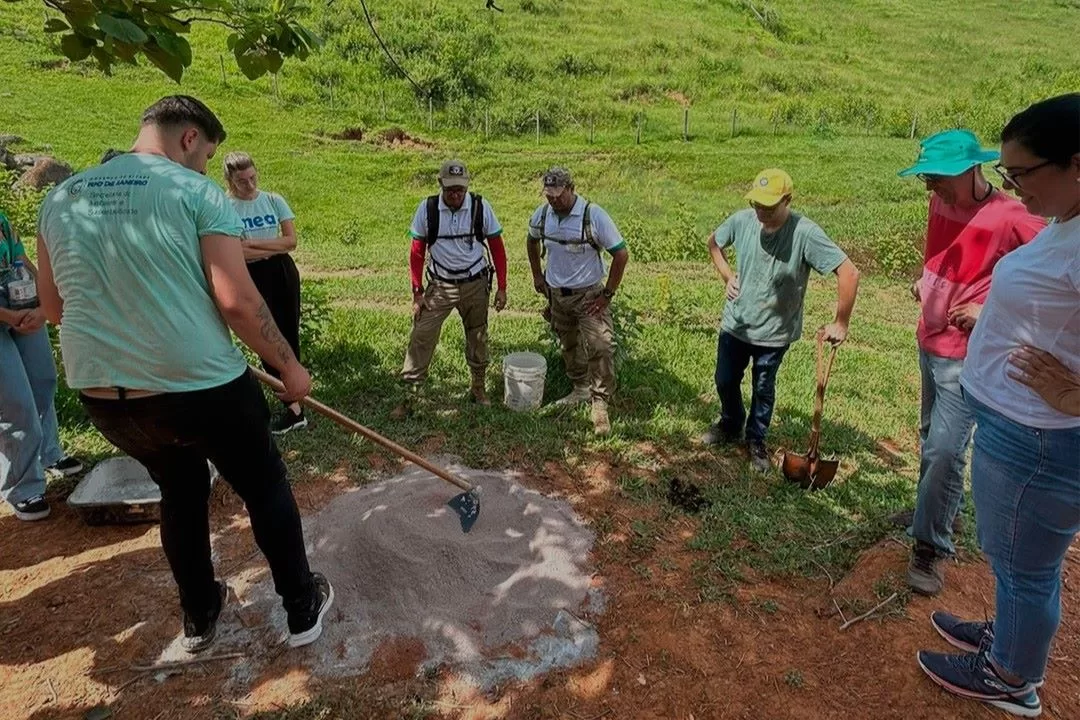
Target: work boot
{"points": [[926, 572], [600, 421], [578, 395], [477, 391], [759, 456], [716, 435]]}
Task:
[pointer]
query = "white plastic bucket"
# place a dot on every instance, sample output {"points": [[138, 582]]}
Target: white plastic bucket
{"points": [[523, 379]]}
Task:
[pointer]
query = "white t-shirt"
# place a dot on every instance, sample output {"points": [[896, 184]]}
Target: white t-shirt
{"points": [[455, 254], [263, 216], [1034, 300], [574, 265]]}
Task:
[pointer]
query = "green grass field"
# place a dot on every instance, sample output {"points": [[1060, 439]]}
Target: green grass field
{"points": [[828, 94]]}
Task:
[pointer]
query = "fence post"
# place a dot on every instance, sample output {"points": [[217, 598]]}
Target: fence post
{"points": [[592, 129], [639, 120], [487, 124], [382, 103], [686, 124], [224, 80], [277, 96], [538, 126], [430, 115], [734, 120], [914, 124], [331, 94]]}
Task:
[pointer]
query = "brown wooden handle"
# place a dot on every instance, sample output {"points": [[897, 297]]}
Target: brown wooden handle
{"points": [[823, 370], [350, 424]]}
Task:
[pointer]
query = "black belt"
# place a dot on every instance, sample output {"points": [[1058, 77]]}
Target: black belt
{"points": [[565, 292], [460, 281]]}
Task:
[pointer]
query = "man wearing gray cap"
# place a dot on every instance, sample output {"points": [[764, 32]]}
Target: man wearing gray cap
{"points": [[456, 226], [575, 234]]}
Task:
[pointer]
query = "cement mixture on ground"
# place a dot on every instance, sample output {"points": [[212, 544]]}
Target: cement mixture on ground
{"points": [[501, 602]]}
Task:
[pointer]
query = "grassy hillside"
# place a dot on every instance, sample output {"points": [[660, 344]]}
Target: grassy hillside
{"points": [[846, 76]]}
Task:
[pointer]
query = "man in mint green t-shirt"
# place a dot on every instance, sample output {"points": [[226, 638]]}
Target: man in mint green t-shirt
{"points": [[141, 265], [775, 250]]}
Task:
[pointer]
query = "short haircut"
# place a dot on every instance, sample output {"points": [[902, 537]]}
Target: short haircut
{"points": [[1049, 129], [110, 154], [235, 162], [178, 111]]}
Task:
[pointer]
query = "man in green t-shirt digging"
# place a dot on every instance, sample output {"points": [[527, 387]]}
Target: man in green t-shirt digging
{"points": [[775, 250]]}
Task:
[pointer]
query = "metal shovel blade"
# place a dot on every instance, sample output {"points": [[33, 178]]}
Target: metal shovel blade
{"points": [[797, 469], [467, 507], [822, 474]]}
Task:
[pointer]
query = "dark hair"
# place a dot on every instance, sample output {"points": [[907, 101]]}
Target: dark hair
{"points": [[180, 110], [1050, 129], [110, 154]]}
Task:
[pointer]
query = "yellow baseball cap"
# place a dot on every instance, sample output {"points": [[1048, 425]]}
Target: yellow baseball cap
{"points": [[770, 187]]}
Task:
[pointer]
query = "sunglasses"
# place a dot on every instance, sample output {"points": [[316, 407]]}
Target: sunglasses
{"points": [[1013, 176], [765, 208], [930, 177]]}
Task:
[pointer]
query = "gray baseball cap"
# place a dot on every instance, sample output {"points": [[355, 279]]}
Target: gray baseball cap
{"points": [[453, 174], [556, 179]]}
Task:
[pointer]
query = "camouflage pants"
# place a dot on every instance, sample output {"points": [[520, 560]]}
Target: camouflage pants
{"points": [[471, 301], [588, 346]]}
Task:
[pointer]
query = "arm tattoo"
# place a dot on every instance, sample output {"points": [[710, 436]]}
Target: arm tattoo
{"points": [[271, 334]]}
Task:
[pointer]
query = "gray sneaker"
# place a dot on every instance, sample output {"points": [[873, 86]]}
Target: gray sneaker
{"points": [[716, 435], [926, 571], [759, 456], [577, 396]]}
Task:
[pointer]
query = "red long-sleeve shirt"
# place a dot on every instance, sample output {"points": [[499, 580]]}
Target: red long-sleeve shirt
{"points": [[419, 251]]}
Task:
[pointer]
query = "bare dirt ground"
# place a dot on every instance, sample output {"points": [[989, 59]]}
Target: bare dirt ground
{"points": [[82, 609]]}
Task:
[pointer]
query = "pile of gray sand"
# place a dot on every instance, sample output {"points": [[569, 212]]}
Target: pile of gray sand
{"points": [[504, 601]]}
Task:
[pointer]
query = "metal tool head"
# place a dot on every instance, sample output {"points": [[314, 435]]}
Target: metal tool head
{"points": [[467, 507]]}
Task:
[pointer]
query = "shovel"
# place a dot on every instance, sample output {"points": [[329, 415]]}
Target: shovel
{"points": [[810, 471], [466, 505]]}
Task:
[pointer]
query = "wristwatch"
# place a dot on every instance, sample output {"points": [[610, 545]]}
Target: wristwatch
{"points": [[608, 293], [418, 290]]}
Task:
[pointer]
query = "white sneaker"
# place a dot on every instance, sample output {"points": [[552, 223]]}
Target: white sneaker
{"points": [[576, 397]]}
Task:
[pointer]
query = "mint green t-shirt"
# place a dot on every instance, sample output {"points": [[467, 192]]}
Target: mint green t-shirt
{"points": [[11, 248], [262, 217], [123, 240], [773, 273]]}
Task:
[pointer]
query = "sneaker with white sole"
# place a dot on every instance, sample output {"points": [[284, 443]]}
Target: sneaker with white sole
{"points": [[305, 627], [64, 467], [287, 421], [35, 508], [199, 634], [577, 396], [973, 676], [967, 635]]}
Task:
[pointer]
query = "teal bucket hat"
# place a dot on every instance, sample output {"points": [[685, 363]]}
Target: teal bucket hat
{"points": [[950, 153]]}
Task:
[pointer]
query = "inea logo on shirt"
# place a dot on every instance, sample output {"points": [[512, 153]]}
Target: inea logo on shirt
{"points": [[252, 223]]}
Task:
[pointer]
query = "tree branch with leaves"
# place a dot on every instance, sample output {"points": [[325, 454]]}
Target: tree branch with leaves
{"points": [[263, 33]]}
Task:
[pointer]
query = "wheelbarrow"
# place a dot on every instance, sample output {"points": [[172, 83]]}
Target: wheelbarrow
{"points": [[810, 471]]}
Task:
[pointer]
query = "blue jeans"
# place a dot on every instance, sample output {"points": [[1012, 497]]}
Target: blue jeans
{"points": [[1026, 486], [945, 433], [732, 357], [29, 440]]}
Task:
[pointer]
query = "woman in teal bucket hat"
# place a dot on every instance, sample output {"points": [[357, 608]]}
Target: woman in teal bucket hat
{"points": [[970, 227]]}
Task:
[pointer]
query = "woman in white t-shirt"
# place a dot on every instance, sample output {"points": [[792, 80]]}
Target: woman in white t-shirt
{"points": [[269, 237], [1022, 380]]}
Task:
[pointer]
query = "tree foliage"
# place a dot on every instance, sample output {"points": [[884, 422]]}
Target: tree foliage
{"points": [[264, 32]]}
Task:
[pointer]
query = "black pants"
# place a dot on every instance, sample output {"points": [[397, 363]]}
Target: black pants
{"points": [[278, 282], [173, 435]]}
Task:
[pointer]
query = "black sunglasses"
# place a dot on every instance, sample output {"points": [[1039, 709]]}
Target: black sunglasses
{"points": [[929, 177], [1013, 176]]}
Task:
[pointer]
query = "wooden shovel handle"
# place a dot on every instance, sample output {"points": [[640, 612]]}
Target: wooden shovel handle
{"points": [[350, 424], [823, 370]]}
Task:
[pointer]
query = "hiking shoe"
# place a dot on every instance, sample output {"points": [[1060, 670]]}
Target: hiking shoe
{"points": [[926, 573], [288, 420], [759, 456], [199, 635], [973, 676], [64, 467], [968, 636], [600, 421], [577, 396], [477, 393], [716, 435], [306, 627], [35, 508]]}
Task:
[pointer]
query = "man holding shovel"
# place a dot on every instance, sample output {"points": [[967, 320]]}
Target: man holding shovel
{"points": [[452, 230], [971, 226], [141, 261], [775, 250], [575, 234]]}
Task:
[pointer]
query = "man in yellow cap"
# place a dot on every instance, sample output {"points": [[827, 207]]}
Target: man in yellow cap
{"points": [[775, 250]]}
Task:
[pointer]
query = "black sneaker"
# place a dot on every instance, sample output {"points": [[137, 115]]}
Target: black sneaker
{"points": [[968, 636], [759, 456], [288, 420], [34, 508], [64, 467], [973, 676], [716, 435], [198, 636], [306, 627]]}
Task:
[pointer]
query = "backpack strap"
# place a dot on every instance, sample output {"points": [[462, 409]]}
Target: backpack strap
{"points": [[432, 219], [588, 237]]}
